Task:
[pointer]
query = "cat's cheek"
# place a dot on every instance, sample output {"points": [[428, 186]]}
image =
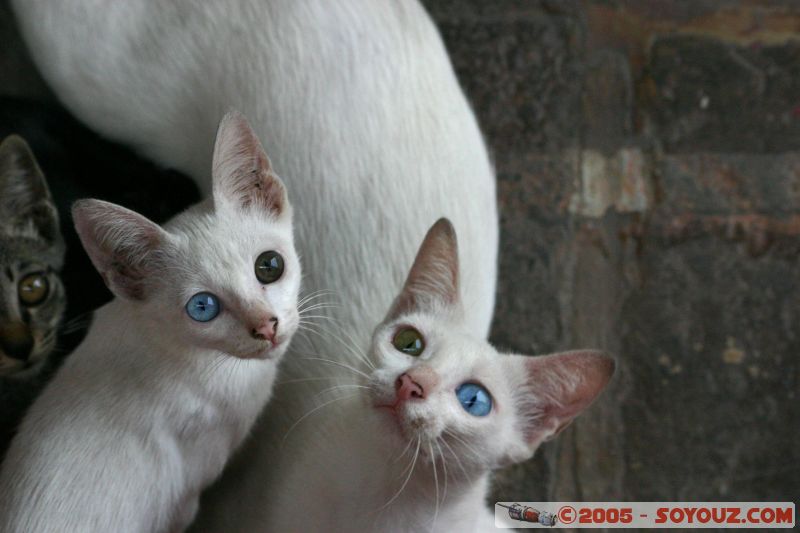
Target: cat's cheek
{"points": [[290, 320], [382, 391], [203, 335], [227, 335]]}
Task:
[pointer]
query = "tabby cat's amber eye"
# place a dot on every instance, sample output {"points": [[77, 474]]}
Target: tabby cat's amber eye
{"points": [[410, 341], [269, 267], [33, 289]]}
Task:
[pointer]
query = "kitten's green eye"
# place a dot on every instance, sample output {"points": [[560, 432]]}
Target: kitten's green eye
{"points": [[33, 289], [269, 267], [409, 341]]}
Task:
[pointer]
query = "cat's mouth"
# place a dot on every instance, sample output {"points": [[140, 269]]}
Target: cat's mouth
{"points": [[407, 425], [266, 351], [269, 348], [391, 410]]}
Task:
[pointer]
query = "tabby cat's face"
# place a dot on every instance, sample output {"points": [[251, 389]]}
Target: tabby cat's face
{"points": [[31, 254], [31, 302]]}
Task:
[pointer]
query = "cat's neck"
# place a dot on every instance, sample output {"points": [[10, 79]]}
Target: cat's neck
{"points": [[202, 388], [380, 476]]}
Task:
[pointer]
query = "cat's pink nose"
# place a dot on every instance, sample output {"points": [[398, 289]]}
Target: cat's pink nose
{"points": [[407, 388], [267, 330]]}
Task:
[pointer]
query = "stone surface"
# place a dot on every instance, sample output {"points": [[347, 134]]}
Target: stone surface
{"points": [[712, 412], [647, 158], [704, 89], [501, 62]]}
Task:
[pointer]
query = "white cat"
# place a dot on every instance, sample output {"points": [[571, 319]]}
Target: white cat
{"points": [[359, 103], [408, 444], [356, 99], [173, 372]]}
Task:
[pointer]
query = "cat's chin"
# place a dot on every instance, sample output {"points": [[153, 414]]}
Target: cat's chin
{"points": [[393, 419], [270, 352], [402, 427]]}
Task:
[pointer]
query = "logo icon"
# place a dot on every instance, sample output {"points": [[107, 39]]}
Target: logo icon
{"points": [[521, 513]]}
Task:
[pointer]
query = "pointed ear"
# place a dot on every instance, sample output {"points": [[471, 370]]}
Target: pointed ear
{"points": [[556, 388], [433, 279], [24, 196], [126, 248], [242, 173]]}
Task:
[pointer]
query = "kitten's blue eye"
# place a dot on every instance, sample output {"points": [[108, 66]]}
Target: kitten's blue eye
{"points": [[203, 307], [474, 399]]}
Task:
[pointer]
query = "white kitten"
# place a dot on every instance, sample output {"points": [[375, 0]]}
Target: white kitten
{"points": [[145, 413], [410, 445]]}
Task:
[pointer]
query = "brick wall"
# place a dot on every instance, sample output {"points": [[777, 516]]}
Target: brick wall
{"points": [[648, 160]]}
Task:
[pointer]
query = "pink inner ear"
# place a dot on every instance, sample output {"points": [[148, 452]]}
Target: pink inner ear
{"points": [[562, 385], [258, 186], [121, 244], [434, 275], [242, 171]]}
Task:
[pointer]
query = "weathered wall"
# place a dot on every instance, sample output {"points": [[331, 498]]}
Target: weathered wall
{"points": [[648, 159]]}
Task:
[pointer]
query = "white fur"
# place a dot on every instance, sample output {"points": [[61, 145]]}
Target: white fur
{"points": [[356, 100], [128, 433], [145, 413], [359, 104], [359, 461], [340, 466]]}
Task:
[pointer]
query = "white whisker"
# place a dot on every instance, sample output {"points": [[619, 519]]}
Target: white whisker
{"points": [[319, 305], [325, 317], [404, 451], [337, 363], [339, 387], [360, 356], [436, 485], [314, 295], [410, 471], [460, 464], [465, 444], [314, 410], [444, 469], [326, 333], [301, 380]]}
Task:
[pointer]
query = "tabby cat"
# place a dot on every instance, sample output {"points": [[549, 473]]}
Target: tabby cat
{"points": [[78, 164], [32, 297]]}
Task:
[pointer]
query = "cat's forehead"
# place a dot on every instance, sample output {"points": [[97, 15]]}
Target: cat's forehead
{"points": [[259, 230], [470, 359], [225, 233], [16, 251]]}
